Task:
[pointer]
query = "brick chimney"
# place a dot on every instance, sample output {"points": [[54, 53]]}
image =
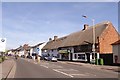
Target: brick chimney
{"points": [[85, 26], [55, 38]]}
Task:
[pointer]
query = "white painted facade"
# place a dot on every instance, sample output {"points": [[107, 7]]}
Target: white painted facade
{"points": [[116, 52], [31, 51], [52, 52], [10, 52], [21, 52], [37, 49], [81, 56]]}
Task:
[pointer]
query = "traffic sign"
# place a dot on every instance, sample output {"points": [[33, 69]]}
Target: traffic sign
{"points": [[38, 49], [2, 44]]}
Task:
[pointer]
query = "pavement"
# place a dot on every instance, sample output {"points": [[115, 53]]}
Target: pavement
{"points": [[104, 67], [8, 67]]}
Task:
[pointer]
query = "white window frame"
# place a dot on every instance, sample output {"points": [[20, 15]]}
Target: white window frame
{"points": [[77, 57]]}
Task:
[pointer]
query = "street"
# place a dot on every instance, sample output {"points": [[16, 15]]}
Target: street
{"points": [[27, 68]]}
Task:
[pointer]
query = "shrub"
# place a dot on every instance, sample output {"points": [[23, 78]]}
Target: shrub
{"points": [[2, 59]]}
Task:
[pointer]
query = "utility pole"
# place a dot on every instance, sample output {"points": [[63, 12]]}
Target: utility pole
{"points": [[93, 46]]}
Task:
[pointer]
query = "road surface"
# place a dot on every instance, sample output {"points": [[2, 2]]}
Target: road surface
{"points": [[27, 68]]}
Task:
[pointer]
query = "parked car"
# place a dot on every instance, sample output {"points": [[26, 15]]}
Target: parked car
{"points": [[22, 56], [9, 54], [54, 59], [30, 57]]}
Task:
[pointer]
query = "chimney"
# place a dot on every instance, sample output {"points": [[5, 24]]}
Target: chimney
{"points": [[55, 38], [85, 26], [50, 39]]}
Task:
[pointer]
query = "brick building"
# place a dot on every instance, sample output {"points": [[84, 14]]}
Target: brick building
{"points": [[77, 46]]}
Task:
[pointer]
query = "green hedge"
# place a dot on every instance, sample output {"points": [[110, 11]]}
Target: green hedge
{"points": [[2, 59]]}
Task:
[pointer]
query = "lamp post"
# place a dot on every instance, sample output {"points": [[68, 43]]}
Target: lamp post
{"points": [[93, 46]]}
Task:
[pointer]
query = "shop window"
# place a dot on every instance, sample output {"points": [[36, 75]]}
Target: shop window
{"points": [[83, 48], [75, 56], [58, 55], [81, 56]]}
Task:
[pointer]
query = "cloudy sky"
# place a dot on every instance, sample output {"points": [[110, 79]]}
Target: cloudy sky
{"points": [[34, 22]]}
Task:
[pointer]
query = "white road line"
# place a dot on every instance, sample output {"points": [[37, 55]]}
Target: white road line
{"points": [[68, 70], [62, 73], [79, 74], [44, 66]]}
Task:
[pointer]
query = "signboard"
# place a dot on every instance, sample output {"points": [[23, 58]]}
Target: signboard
{"points": [[38, 49], [2, 44], [63, 51]]}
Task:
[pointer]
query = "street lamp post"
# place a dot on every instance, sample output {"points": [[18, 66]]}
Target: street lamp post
{"points": [[93, 46]]}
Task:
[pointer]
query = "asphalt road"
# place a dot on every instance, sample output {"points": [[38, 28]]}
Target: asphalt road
{"points": [[27, 68]]}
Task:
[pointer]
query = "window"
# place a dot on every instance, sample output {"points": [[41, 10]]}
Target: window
{"points": [[75, 56], [83, 48], [52, 50], [81, 56]]}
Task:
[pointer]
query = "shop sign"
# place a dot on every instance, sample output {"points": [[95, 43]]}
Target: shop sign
{"points": [[63, 51]]}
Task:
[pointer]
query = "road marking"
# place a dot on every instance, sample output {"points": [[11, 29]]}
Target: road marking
{"points": [[79, 74], [44, 66], [62, 73], [68, 70]]}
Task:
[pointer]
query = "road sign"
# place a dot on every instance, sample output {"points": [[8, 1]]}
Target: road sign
{"points": [[38, 49], [2, 44]]}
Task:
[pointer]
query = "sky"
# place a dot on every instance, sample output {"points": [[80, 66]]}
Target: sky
{"points": [[36, 22]]}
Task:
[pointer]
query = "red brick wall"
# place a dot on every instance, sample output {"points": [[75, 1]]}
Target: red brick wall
{"points": [[109, 36]]}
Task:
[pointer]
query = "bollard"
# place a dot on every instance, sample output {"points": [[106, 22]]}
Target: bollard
{"points": [[34, 58], [101, 61], [97, 61], [38, 59]]}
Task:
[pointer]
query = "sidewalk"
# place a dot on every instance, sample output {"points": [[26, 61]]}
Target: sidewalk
{"points": [[104, 67], [7, 68]]}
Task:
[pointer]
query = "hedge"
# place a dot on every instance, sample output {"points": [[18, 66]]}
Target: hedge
{"points": [[2, 59]]}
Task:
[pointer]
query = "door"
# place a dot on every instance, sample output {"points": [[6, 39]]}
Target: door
{"points": [[88, 57]]}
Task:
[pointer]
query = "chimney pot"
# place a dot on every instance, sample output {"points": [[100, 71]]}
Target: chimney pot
{"points": [[85, 26], [50, 39], [55, 38]]}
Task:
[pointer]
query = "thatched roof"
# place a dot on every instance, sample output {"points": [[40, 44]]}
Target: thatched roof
{"points": [[20, 48], [36, 45], [78, 38]]}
